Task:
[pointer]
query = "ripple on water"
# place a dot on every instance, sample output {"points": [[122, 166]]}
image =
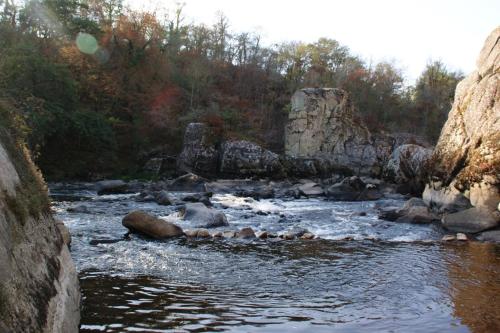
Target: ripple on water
{"points": [[391, 284]]}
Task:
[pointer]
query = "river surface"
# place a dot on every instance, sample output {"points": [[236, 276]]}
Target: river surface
{"points": [[389, 278]]}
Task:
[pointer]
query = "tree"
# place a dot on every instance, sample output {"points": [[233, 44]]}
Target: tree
{"points": [[433, 96]]}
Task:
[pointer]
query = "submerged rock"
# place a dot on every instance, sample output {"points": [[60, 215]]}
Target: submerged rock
{"points": [[149, 225], [205, 217]]}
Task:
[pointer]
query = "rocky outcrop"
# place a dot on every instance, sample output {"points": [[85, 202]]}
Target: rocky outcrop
{"points": [[466, 162], [39, 289], [231, 158], [199, 154], [322, 124], [244, 158], [407, 167]]}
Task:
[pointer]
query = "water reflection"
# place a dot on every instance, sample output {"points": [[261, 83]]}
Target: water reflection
{"points": [[324, 287], [474, 277]]}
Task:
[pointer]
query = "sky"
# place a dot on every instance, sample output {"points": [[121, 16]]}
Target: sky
{"points": [[408, 32]]}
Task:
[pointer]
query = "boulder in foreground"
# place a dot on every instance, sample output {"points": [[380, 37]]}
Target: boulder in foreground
{"points": [[144, 223]]}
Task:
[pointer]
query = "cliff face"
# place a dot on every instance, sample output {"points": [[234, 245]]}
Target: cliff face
{"points": [[322, 125], [466, 161], [39, 289]]}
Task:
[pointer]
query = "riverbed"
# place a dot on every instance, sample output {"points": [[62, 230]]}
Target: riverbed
{"points": [[362, 274]]}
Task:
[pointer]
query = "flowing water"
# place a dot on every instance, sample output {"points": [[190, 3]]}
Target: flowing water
{"points": [[389, 278]]}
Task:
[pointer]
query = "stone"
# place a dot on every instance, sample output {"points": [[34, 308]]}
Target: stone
{"points": [[246, 233], [390, 213], [485, 194], [63, 229], [204, 216], [199, 155], [217, 234], [203, 233], [288, 236], [163, 198], [203, 197], [462, 237], [307, 236], [492, 236], [111, 187], [261, 192], [467, 155], [244, 158], [262, 235], [311, 189], [322, 124], [448, 238], [417, 215], [188, 183], [149, 225], [407, 166], [353, 189], [472, 220], [413, 211], [445, 199], [191, 233], [229, 234]]}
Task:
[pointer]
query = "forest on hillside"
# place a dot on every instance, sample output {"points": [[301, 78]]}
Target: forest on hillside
{"points": [[94, 86]]}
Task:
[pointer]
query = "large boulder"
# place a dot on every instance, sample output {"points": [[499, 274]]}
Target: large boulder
{"points": [[39, 289], [199, 154], [244, 158], [407, 167], [466, 160], [322, 124], [149, 225], [204, 216], [472, 220]]}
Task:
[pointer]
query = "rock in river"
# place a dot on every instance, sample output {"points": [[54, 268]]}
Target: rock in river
{"points": [[204, 216], [144, 223], [471, 220]]}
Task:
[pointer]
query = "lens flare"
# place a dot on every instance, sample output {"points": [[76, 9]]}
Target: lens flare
{"points": [[86, 43]]}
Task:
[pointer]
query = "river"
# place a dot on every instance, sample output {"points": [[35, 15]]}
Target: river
{"points": [[363, 275]]}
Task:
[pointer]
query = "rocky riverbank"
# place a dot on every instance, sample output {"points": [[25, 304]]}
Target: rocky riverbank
{"points": [[39, 290]]}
